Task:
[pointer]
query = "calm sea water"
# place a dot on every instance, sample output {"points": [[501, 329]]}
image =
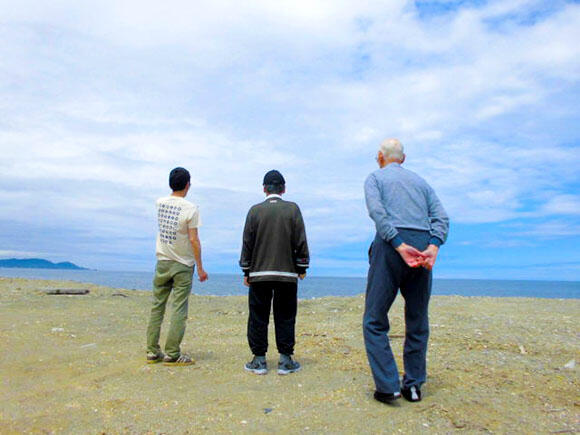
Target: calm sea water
{"points": [[222, 284]]}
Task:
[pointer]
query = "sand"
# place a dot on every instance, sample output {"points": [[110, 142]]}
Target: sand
{"points": [[76, 364]]}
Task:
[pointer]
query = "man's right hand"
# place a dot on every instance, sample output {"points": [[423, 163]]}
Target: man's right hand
{"points": [[430, 255], [202, 274], [302, 276], [412, 256]]}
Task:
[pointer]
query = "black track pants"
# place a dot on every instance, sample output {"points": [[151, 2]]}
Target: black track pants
{"points": [[285, 307]]}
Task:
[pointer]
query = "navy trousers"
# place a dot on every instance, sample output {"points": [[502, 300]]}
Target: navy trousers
{"points": [[387, 274]]}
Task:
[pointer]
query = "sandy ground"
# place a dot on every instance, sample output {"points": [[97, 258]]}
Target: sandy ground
{"points": [[76, 364]]}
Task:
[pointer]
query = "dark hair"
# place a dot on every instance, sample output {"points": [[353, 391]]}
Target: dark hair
{"points": [[275, 189], [178, 178]]}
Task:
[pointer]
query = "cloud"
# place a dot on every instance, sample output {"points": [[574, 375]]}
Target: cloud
{"points": [[566, 204], [20, 254], [98, 104], [550, 230]]}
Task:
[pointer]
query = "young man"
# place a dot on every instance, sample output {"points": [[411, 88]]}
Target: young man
{"points": [[274, 256], [411, 224], [178, 248]]}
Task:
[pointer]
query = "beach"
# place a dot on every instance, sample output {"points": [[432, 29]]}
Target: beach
{"points": [[76, 364]]}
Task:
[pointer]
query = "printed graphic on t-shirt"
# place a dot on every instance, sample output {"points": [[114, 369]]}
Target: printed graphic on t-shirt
{"points": [[168, 218]]}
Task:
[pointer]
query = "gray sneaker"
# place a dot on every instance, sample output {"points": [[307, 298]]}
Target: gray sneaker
{"points": [[287, 365], [258, 365]]}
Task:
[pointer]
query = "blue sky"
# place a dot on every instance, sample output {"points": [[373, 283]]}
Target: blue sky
{"points": [[97, 104]]}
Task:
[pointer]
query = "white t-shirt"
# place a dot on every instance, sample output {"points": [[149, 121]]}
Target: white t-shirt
{"points": [[175, 215]]}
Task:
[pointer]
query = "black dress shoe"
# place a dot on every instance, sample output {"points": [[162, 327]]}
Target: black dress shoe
{"points": [[387, 398], [412, 394]]}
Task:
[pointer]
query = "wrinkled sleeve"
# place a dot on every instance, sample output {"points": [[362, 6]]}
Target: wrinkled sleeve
{"points": [[248, 240], [438, 219], [193, 218], [378, 213], [300, 244]]}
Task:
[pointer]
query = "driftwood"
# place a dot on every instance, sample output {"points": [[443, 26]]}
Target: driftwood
{"points": [[120, 294], [68, 291]]}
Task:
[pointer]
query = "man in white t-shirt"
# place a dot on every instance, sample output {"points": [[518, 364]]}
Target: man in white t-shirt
{"points": [[178, 250]]}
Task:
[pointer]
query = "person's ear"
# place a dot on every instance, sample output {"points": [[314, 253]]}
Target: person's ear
{"points": [[265, 191]]}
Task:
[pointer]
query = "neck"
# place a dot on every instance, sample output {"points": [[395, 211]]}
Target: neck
{"points": [[389, 161], [179, 193]]}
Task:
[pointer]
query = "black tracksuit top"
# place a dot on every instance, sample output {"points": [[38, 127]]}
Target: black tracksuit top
{"points": [[274, 246]]}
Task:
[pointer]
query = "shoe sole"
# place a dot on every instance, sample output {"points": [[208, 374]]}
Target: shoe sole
{"points": [[287, 372], [412, 400], [386, 401], [178, 364], [256, 371], [154, 361]]}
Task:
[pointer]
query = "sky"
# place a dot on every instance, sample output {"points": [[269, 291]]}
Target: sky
{"points": [[100, 100]]}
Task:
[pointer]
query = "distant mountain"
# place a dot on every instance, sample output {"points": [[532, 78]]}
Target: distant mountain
{"points": [[38, 263]]}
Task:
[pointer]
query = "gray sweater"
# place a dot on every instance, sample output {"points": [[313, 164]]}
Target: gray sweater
{"points": [[274, 246], [399, 198]]}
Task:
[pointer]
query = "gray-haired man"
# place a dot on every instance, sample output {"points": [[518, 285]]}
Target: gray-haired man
{"points": [[411, 225]]}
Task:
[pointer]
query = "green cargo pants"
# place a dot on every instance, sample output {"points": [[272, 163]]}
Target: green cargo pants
{"points": [[169, 275]]}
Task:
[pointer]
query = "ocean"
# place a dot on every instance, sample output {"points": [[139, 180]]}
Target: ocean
{"points": [[312, 286]]}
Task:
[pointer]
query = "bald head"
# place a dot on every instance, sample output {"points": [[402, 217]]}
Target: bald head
{"points": [[392, 150]]}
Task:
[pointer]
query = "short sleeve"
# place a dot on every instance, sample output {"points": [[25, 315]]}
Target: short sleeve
{"points": [[194, 220]]}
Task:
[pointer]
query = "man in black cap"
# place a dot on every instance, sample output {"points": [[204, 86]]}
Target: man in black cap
{"points": [[274, 256]]}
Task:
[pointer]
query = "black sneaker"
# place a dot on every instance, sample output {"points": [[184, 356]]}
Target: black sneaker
{"points": [[287, 365], [387, 398], [258, 365], [412, 394]]}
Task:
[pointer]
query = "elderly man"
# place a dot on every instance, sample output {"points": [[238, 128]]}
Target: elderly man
{"points": [[411, 225]]}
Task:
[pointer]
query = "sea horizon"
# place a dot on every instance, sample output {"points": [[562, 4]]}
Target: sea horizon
{"points": [[227, 284]]}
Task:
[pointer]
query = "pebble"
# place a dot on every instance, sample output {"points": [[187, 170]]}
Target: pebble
{"points": [[570, 364], [57, 329]]}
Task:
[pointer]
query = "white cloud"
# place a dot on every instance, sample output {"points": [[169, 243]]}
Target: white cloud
{"points": [[20, 254], [550, 230], [113, 96], [563, 204]]}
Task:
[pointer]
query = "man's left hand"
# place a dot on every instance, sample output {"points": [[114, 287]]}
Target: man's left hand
{"points": [[246, 282], [202, 274], [430, 256], [410, 255]]}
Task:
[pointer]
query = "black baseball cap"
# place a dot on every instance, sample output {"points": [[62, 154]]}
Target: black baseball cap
{"points": [[273, 177]]}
